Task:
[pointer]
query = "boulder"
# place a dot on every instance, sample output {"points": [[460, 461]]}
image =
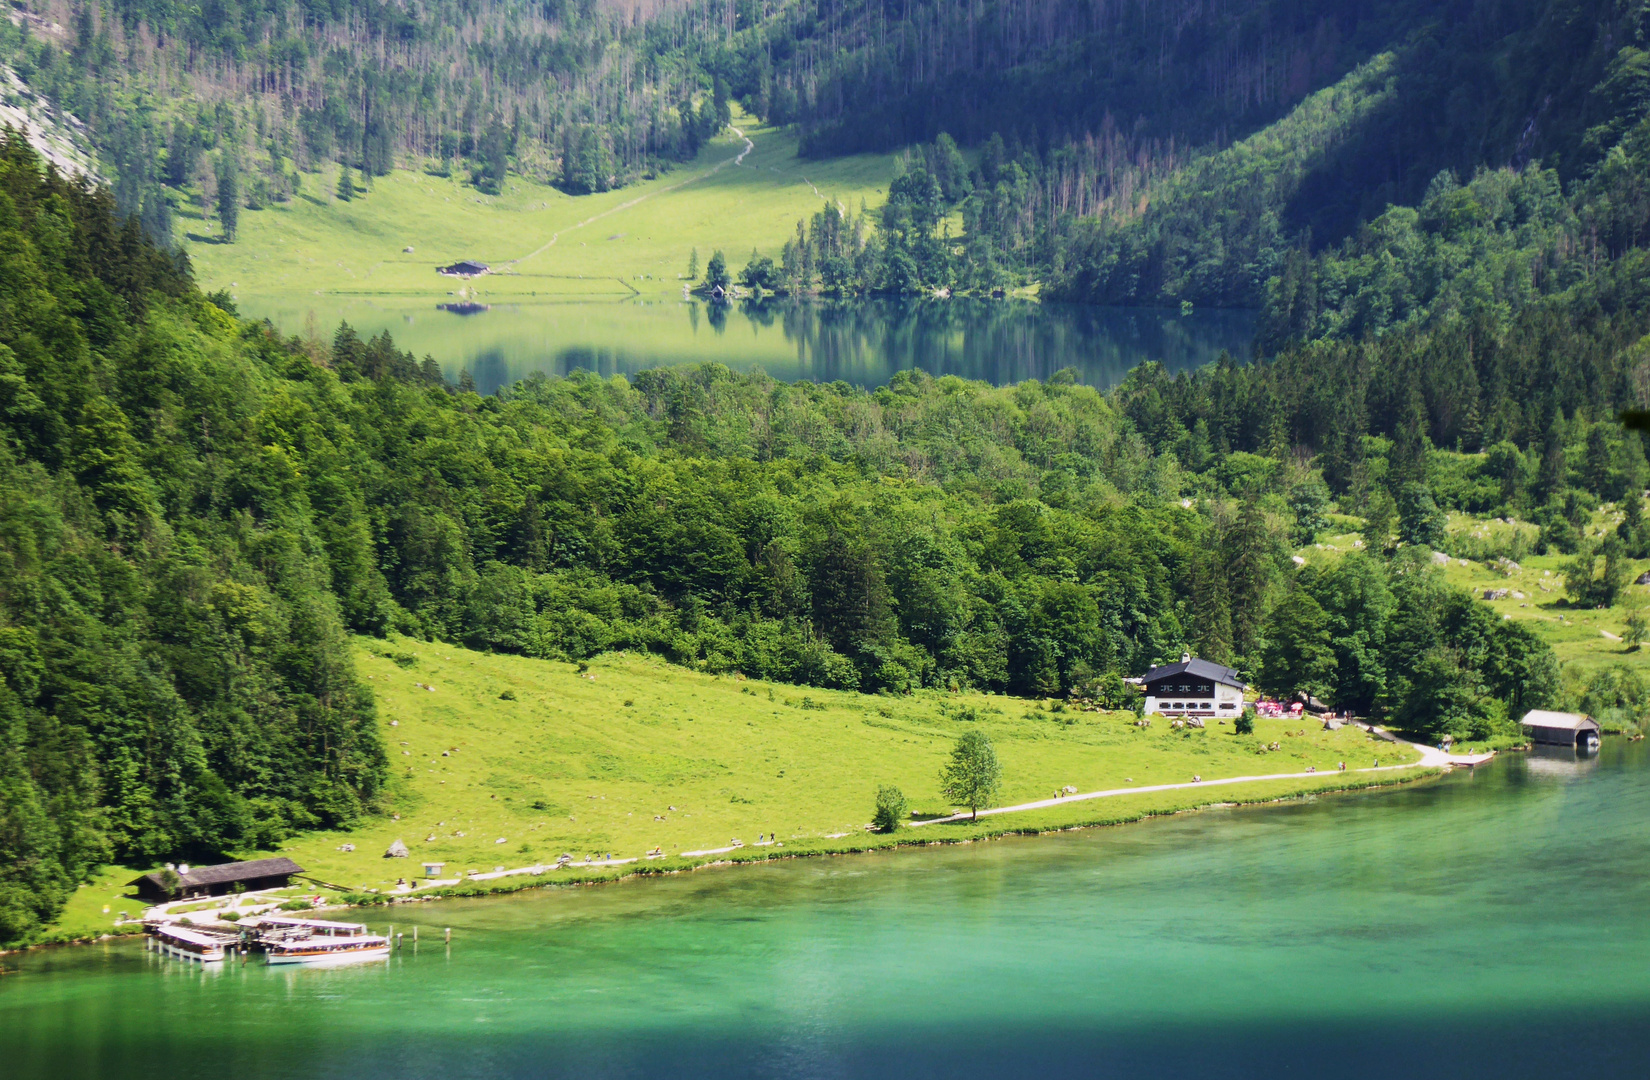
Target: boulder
{"points": [[397, 850], [1495, 594]]}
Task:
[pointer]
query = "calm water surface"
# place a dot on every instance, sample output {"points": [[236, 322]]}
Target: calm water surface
{"points": [[1491, 925], [861, 342]]}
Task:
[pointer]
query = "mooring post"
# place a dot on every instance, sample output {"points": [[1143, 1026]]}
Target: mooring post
{"points": [[415, 933], [447, 936]]}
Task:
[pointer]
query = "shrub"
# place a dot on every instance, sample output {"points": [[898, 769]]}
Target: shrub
{"points": [[360, 898], [230, 916], [508, 695], [297, 905], [1245, 723], [890, 812]]}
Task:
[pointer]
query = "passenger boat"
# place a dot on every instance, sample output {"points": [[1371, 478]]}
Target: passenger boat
{"points": [[328, 949], [317, 941], [190, 944]]}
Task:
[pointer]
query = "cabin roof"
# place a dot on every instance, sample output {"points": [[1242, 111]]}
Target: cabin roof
{"points": [[224, 872], [1202, 669], [1562, 721]]}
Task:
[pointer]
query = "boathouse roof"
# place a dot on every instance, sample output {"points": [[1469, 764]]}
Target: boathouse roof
{"points": [[1560, 721], [1190, 665], [226, 873]]}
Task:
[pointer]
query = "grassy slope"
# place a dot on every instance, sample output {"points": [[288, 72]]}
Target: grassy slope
{"points": [[1576, 635], [732, 759], [317, 243]]}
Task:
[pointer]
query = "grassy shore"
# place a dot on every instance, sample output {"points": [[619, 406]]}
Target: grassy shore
{"points": [[605, 245], [635, 754]]}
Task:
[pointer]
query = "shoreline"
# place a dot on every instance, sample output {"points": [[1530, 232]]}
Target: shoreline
{"points": [[866, 844]]}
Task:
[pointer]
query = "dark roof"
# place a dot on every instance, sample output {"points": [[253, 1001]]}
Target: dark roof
{"points": [[1202, 669], [232, 871], [465, 266]]}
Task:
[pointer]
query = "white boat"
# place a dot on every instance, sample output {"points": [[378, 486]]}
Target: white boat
{"points": [[188, 944], [287, 940], [328, 949]]}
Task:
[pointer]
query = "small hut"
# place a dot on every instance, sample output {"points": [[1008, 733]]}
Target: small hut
{"points": [[465, 268], [397, 850], [1562, 728], [182, 882]]}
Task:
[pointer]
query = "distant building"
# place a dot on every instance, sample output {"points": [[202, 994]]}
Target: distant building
{"points": [[1193, 688], [464, 268], [216, 880], [1562, 728]]}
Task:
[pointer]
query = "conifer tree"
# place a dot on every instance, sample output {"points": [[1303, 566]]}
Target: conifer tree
{"points": [[346, 183], [229, 196]]}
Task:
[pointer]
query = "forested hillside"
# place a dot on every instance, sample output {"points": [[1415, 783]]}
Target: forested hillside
{"points": [[232, 106], [196, 510], [177, 680], [1556, 85], [870, 74], [1424, 161]]}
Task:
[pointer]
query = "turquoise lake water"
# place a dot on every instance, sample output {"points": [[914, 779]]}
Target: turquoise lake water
{"points": [[1488, 925]]}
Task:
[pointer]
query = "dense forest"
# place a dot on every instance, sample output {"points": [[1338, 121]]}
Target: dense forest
{"points": [[196, 512]]}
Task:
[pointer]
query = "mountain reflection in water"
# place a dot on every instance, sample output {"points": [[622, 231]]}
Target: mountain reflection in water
{"points": [[862, 342]]}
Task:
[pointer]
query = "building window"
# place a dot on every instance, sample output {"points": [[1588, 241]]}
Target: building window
{"points": [[1227, 705], [1180, 704]]}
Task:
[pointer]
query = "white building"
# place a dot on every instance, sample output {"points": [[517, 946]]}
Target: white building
{"points": [[1192, 688]]}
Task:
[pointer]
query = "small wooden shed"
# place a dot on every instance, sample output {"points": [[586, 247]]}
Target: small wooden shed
{"points": [[1561, 728], [184, 882]]}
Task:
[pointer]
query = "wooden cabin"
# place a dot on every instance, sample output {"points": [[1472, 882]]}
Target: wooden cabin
{"points": [[216, 880], [1562, 728], [464, 268]]}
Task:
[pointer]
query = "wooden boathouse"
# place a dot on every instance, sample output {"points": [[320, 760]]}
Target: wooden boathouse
{"points": [[1562, 728], [183, 882]]}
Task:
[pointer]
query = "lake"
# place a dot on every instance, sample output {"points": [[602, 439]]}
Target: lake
{"points": [[1487, 925], [861, 341]]}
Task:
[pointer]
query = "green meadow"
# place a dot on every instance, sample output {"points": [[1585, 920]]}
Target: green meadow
{"points": [[1584, 639], [541, 242], [504, 761]]}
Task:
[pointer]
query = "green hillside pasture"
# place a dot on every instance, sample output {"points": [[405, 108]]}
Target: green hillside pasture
{"points": [[637, 753], [1583, 639], [605, 245]]}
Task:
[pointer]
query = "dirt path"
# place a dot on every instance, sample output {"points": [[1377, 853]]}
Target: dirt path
{"points": [[822, 198], [712, 171], [1041, 804], [1431, 758]]}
